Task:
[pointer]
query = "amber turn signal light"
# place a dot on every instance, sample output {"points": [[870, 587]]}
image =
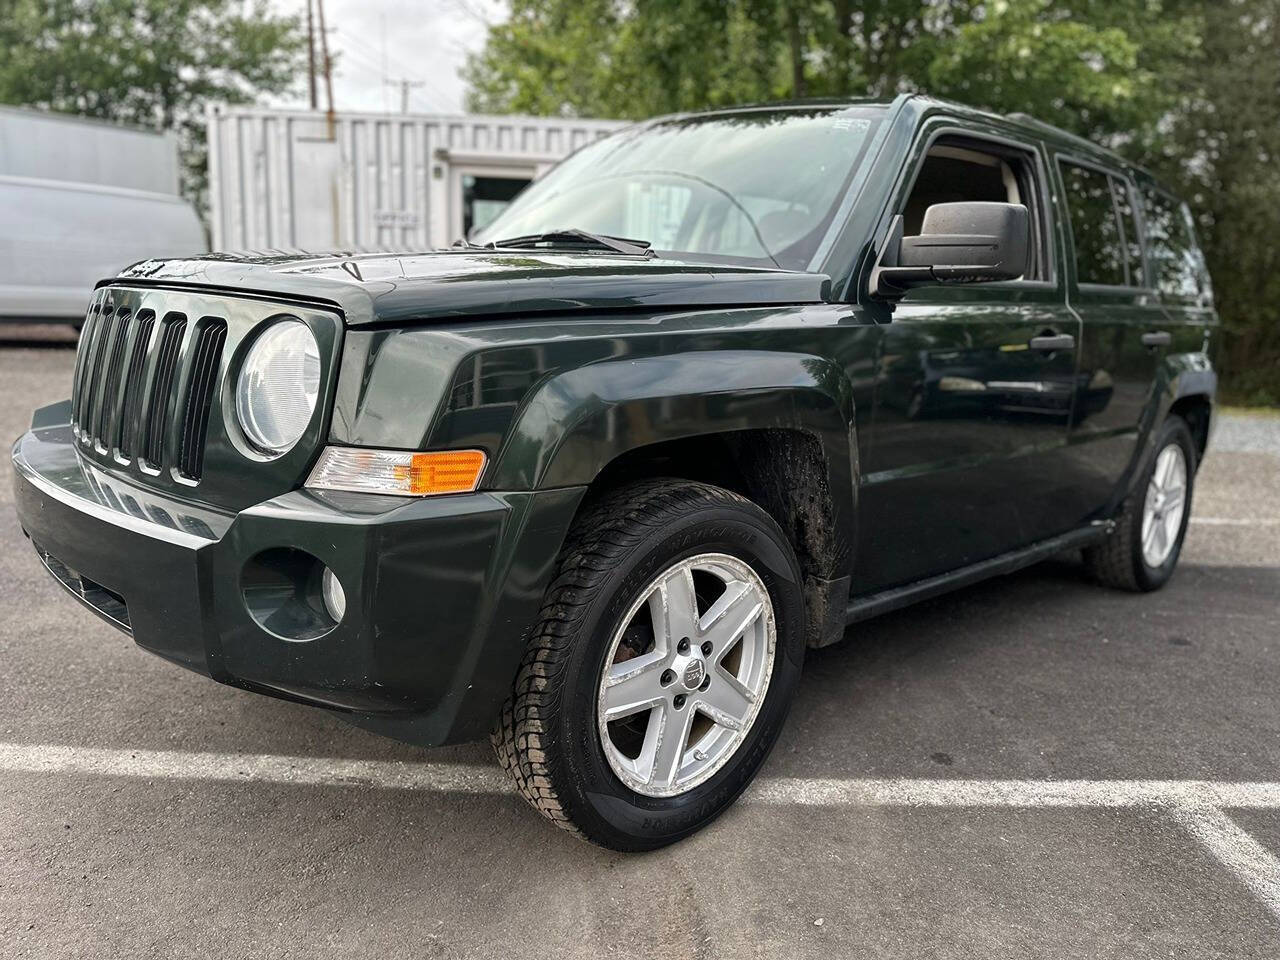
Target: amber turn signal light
{"points": [[399, 472], [448, 471]]}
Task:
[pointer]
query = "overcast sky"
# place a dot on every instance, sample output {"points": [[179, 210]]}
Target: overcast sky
{"points": [[424, 41]]}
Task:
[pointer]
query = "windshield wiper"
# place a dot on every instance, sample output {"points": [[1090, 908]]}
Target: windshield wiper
{"points": [[576, 238]]}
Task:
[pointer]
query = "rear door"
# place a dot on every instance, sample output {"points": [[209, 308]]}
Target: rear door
{"points": [[1126, 330], [1177, 268], [974, 385]]}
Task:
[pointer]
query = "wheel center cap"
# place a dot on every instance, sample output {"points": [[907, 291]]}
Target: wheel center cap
{"points": [[694, 671]]}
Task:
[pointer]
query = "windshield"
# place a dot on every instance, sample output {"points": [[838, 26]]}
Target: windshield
{"points": [[758, 187]]}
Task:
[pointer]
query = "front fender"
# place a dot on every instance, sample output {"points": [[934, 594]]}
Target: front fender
{"points": [[575, 423]]}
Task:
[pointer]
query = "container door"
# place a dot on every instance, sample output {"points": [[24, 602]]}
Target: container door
{"points": [[479, 194]]}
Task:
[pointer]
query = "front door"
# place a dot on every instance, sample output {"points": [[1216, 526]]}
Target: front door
{"points": [[974, 390]]}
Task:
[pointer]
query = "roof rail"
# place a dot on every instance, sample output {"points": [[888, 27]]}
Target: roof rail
{"points": [[1066, 134]]}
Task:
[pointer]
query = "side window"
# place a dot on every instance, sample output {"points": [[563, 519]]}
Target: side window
{"points": [[1101, 256], [1175, 259], [957, 169], [1129, 223]]}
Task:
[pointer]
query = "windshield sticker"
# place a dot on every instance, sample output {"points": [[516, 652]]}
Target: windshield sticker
{"points": [[859, 124]]}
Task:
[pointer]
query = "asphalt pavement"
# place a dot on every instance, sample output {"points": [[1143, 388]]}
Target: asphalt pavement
{"points": [[1032, 767]]}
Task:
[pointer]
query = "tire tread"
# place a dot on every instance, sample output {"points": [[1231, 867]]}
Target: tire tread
{"points": [[604, 532], [1117, 561]]}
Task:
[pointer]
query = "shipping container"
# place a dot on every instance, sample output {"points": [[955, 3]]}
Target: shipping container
{"points": [[290, 180]]}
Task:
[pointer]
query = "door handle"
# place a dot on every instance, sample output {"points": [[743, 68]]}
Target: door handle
{"points": [[1053, 341], [1160, 338]]}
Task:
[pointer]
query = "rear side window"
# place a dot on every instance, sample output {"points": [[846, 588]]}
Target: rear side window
{"points": [[1102, 255], [1175, 259], [1129, 223]]}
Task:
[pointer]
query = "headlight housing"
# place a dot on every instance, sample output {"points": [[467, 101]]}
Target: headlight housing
{"points": [[278, 386]]}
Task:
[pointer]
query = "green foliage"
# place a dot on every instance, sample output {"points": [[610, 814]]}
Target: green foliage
{"points": [[1190, 88], [594, 57], [153, 63], [1221, 147], [1024, 55]]}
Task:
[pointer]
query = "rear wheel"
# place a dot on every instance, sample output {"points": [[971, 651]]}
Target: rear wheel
{"points": [[661, 670], [1142, 553]]}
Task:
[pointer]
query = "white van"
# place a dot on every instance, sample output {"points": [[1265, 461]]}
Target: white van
{"points": [[80, 200]]}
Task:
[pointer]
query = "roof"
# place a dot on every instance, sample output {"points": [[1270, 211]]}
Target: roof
{"points": [[1041, 129]]}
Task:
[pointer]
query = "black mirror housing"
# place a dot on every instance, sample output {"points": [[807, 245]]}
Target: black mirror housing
{"points": [[977, 242]]}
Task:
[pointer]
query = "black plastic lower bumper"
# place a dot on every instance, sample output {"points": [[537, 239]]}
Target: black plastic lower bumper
{"points": [[440, 591]]}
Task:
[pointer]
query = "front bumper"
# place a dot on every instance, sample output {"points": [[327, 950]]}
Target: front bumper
{"points": [[440, 591]]}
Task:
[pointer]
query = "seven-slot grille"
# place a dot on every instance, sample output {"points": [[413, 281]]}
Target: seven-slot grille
{"points": [[127, 396]]}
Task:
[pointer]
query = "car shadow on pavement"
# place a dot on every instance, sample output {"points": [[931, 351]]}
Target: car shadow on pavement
{"points": [[38, 336]]}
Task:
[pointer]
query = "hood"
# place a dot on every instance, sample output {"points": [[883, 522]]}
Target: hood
{"points": [[452, 284]]}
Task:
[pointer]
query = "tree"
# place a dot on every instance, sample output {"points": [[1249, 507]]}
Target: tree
{"points": [[152, 63], [596, 57], [1221, 147]]}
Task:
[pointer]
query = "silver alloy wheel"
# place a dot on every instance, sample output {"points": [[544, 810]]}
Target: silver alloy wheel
{"points": [[1165, 504], [698, 680]]}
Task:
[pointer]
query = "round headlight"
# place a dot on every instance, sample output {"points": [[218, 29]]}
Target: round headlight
{"points": [[278, 386]]}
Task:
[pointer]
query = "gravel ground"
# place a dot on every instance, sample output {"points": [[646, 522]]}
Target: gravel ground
{"points": [[1244, 432], [133, 823]]}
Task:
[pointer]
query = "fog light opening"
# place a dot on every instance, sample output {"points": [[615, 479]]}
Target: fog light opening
{"points": [[335, 600], [291, 594]]}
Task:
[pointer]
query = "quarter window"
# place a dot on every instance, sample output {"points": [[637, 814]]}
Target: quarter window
{"points": [[1175, 259], [1101, 255]]}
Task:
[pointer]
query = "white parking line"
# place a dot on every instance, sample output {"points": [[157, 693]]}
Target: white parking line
{"points": [[1014, 793], [253, 768], [1236, 522], [774, 791], [1252, 864], [1193, 804]]}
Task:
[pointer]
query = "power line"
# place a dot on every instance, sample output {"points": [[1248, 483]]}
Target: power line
{"points": [[365, 65], [438, 97]]}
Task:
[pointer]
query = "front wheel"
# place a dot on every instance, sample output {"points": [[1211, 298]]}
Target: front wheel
{"points": [[660, 673], [1143, 551]]}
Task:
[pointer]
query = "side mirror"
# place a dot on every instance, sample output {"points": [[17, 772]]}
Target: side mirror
{"points": [[976, 242]]}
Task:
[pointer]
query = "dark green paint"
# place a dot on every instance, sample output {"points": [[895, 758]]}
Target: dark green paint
{"points": [[556, 365]]}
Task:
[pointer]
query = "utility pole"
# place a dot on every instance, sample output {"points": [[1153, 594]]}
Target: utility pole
{"points": [[405, 86], [328, 69], [311, 56]]}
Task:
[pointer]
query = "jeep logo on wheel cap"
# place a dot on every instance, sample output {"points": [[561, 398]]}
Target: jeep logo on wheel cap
{"points": [[693, 674]]}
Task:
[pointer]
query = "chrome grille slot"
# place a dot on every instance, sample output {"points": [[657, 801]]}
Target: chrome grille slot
{"points": [[109, 402], [156, 419], [203, 379], [83, 353], [93, 343], [91, 426], [127, 424]]}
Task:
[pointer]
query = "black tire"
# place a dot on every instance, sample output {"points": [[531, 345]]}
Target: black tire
{"points": [[546, 736], [1118, 561]]}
